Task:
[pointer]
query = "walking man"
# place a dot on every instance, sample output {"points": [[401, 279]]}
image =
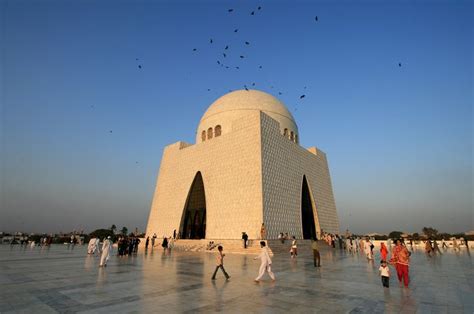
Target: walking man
{"points": [[266, 263], [220, 263], [106, 250], [316, 255], [245, 237]]}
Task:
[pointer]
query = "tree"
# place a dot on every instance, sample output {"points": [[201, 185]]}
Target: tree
{"points": [[113, 228], [101, 233], [124, 231], [416, 236], [395, 234], [430, 232]]}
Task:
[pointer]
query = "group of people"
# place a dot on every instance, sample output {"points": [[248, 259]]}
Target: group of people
{"points": [[127, 245], [167, 243]]}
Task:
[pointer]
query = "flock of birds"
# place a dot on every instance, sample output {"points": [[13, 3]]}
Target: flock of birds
{"points": [[226, 52]]}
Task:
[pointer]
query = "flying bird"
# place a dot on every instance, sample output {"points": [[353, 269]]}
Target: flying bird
{"points": [[236, 30], [245, 86], [110, 131], [302, 96], [253, 84], [279, 93], [226, 67], [259, 8], [224, 55], [194, 49], [210, 41], [253, 13], [136, 59], [208, 89], [139, 66], [399, 64], [316, 18], [260, 67], [226, 47], [237, 68], [247, 43], [241, 57], [230, 10], [218, 62]]}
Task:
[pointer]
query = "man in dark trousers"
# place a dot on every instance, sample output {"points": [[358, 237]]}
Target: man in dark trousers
{"points": [[245, 237], [220, 263], [316, 255]]}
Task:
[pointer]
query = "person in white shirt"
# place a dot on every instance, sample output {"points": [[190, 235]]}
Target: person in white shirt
{"points": [[106, 251], [266, 263], [367, 248], [384, 273]]}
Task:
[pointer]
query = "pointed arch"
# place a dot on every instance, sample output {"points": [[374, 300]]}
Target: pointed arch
{"points": [[193, 219], [309, 218]]}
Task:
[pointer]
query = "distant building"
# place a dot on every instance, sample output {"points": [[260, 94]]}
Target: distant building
{"points": [[246, 168]]}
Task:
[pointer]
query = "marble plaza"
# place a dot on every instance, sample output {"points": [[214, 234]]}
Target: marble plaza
{"points": [[61, 280]]}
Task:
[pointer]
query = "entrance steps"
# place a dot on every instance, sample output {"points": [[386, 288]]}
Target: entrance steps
{"points": [[236, 246]]}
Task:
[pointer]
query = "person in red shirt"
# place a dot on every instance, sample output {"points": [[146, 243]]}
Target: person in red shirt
{"points": [[383, 251], [401, 260]]}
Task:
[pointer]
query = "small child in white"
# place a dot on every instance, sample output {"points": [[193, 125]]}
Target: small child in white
{"points": [[384, 273]]}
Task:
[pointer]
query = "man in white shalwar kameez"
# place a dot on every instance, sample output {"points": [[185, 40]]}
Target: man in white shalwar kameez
{"points": [[266, 263], [97, 245], [106, 250], [91, 246]]}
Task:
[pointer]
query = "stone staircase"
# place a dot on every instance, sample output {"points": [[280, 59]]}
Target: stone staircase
{"points": [[236, 246]]}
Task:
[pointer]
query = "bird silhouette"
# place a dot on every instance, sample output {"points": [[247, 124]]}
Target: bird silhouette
{"points": [[245, 86], [208, 89], [253, 13], [279, 93], [226, 67], [218, 62], [226, 47], [194, 49], [237, 68], [236, 30], [211, 41], [241, 57], [316, 18], [253, 84], [302, 96], [259, 8], [136, 59], [259, 66], [230, 10], [224, 55], [110, 131], [399, 64], [139, 66], [247, 43]]}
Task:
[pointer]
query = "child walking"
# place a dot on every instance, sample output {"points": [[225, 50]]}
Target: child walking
{"points": [[220, 263], [384, 273]]}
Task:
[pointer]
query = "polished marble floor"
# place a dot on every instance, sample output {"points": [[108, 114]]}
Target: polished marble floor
{"points": [[64, 280]]}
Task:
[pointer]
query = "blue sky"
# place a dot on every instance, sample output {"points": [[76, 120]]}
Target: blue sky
{"points": [[398, 139]]}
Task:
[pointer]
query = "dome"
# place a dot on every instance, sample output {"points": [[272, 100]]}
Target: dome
{"points": [[218, 118]]}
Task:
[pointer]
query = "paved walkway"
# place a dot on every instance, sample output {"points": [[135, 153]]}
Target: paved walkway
{"points": [[61, 280]]}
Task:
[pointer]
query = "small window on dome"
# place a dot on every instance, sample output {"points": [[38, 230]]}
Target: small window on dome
{"points": [[217, 130], [292, 136], [296, 138], [203, 136], [285, 132], [209, 133]]}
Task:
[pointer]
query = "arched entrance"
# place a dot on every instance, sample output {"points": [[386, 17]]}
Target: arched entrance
{"points": [[307, 212], [193, 221]]}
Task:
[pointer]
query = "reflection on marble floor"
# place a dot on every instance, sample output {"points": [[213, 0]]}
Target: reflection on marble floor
{"points": [[61, 280]]}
